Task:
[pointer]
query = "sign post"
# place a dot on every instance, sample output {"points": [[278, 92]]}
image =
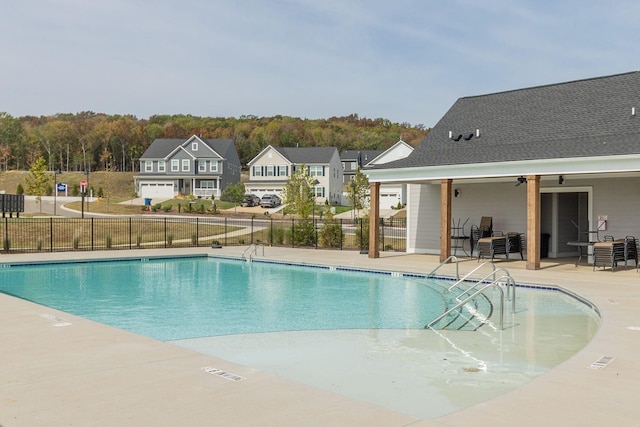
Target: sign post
{"points": [[83, 190]]}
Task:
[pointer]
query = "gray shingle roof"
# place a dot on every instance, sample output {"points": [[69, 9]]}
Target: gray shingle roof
{"points": [[583, 118], [300, 155], [161, 148], [365, 155]]}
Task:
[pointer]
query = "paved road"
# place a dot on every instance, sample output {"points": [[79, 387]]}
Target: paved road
{"points": [[46, 206]]}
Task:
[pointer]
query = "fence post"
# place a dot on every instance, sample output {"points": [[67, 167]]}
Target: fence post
{"points": [[341, 233], [165, 231], [197, 232], [271, 230], [92, 233], [51, 233], [382, 233], [252, 218], [293, 233], [315, 231], [130, 232], [225, 231]]}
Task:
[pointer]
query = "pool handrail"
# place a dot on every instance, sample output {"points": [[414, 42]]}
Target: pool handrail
{"points": [[252, 249], [446, 261], [466, 276], [484, 279], [496, 284]]}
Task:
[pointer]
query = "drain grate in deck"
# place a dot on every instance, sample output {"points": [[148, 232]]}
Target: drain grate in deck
{"points": [[223, 374], [602, 362]]}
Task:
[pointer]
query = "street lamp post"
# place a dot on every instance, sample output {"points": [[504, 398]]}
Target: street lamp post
{"points": [[55, 191]]}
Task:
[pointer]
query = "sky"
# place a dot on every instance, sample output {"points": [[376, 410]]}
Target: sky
{"points": [[405, 60]]}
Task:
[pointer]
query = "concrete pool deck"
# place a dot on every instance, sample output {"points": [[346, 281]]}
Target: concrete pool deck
{"points": [[60, 370]]}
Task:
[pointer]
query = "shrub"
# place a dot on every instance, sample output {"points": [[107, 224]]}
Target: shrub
{"points": [[169, 239], [166, 208], [304, 233], [20, 189], [331, 235], [109, 241]]}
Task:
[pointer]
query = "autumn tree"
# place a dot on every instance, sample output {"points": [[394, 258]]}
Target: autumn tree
{"points": [[37, 180]]}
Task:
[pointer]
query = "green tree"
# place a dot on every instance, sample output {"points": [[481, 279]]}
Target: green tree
{"points": [[298, 193], [358, 191], [233, 193], [37, 180]]}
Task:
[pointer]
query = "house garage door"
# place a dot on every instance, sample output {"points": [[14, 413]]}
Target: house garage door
{"points": [[158, 190]]}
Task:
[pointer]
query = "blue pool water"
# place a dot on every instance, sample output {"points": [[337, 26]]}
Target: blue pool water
{"points": [[355, 333], [172, 299]]}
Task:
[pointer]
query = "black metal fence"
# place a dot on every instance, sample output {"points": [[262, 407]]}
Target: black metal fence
{"points": [[87, 234]]}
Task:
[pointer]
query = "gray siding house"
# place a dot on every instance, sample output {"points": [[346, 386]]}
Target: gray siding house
{"points": [[561, 161], [196, 166]]}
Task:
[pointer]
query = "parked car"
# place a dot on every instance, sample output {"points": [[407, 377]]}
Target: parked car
{"points": [[250, 200], [270, 201]]}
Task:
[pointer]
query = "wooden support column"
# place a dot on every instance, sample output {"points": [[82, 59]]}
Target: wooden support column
{"points": [[445, 219], [374, 220], [533, 222]]}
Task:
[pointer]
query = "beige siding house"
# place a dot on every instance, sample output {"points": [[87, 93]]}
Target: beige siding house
{"points": [[270, 170]]}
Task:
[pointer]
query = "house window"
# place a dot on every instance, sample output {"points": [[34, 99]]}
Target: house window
{"points": [[283, 170], [175, 166], [202, 166], [162, 166], [316, 170], [208, 184], [270, 170], [185, 165], [318, 191], [148, 166], [257, 171], [194, 146], [213, 166]]}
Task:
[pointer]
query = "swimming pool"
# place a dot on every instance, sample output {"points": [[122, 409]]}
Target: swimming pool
{"points": [[356, 333]]}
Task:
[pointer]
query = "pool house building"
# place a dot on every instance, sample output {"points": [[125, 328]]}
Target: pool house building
{"points": [[560, 161]]}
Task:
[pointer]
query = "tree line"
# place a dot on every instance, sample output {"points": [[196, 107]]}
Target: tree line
{"points": [[89, 141]]}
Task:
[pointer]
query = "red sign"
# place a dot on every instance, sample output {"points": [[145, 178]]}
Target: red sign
{"points": [[83, 183]]}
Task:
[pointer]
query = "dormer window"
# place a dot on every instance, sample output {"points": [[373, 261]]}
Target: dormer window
{"points": [[194, 146]]}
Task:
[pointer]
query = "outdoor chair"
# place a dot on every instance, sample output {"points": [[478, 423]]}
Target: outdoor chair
{"points": [[608, 253]]}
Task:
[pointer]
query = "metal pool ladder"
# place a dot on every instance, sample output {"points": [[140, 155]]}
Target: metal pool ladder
{"points": [[480, 287], [252, 250]]}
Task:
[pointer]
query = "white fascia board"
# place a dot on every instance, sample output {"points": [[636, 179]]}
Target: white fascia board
{"points": [[575, 165]]}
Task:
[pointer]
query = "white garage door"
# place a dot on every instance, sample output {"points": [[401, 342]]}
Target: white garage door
{"points": [[159, 190]]}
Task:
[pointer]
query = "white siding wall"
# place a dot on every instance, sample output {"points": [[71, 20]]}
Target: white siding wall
{"points": [[619, 199]]}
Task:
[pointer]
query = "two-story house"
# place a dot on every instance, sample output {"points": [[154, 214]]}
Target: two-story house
{"points": [[352, 160], [196, 166], [270, 170]]}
